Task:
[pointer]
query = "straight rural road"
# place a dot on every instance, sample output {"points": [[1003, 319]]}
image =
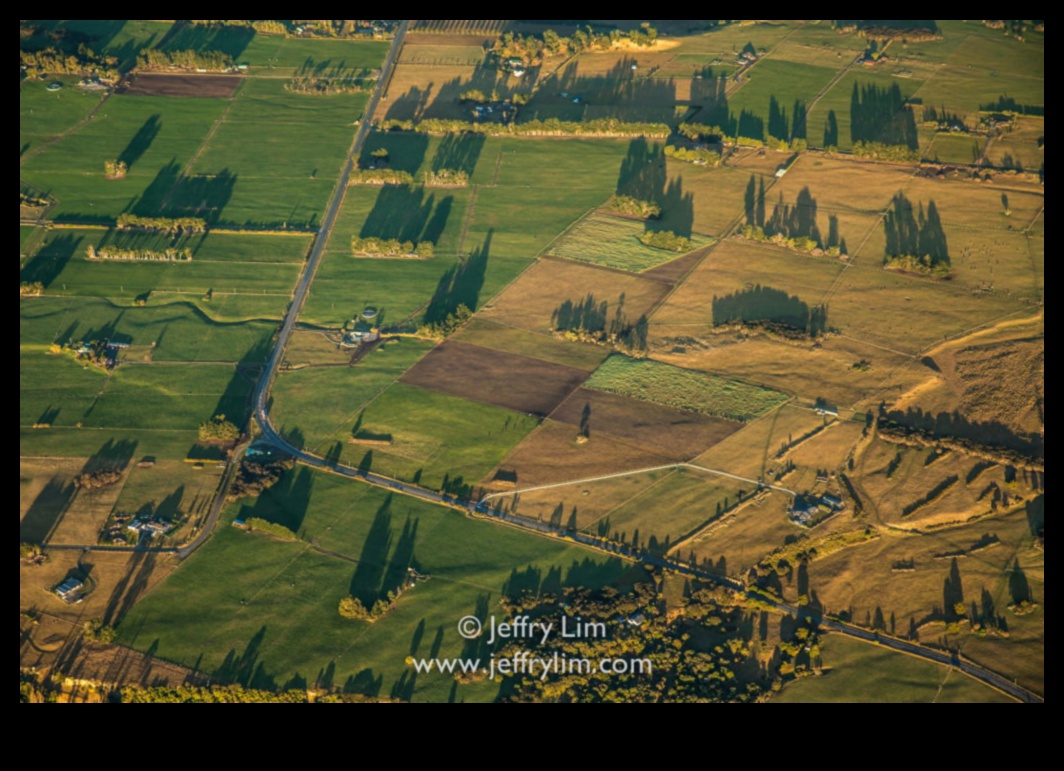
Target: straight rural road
{"points": [[481, 508]]}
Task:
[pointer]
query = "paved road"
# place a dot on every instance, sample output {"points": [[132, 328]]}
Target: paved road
{"points": [[262, 417]]}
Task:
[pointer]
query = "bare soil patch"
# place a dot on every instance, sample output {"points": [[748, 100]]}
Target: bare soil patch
{"points": [[532, 386], [552, 455], [679, 435], [204, 86]]}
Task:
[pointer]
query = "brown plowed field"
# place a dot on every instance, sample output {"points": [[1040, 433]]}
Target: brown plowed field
{"points": [[551, 455], [679, 435], [507, 380], [206, 86]]}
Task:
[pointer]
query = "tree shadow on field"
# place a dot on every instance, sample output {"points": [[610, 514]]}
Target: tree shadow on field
{"points": [[956, 425], [406, 152], [461, 284], [589, 574], [411, 105], [172, 194], [114, 455], [286, 503], [130, 588], [408, 214], [245, 668], [1036, 516], [882, 114], [46, 512], [459, 152], [1019, 586], [184, 36], [140, 143], [622, 93], [50, 261], [768, 304], [643, 173]]}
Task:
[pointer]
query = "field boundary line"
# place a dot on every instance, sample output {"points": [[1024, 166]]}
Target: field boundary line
{"points": [[670, 467], [578, 221], [70, 131], [634, 497], [468, 222]]}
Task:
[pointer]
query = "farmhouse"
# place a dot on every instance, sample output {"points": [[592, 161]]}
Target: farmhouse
{"points": [[70, 591], [149, 528], [833, 502]]}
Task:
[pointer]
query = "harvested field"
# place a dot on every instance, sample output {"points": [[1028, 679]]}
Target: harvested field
{"points": [[592, 501], [530, 301], [115, 581], [682, 389], [43, 644], [749, 452], [487, 334], [740, 539], [205, 86], [613, 242], [518, 383], [441, 53], [680, 435], [552, 455], [46, 491]]}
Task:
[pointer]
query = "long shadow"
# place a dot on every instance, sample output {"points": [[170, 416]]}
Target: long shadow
{"points": [[831, 130], [411, 105], [372, 563], [235, 401], [402, 560], [953, 594], [130, 588], [408, 214], [188, 37], [460, 284], [50, 260], [364, 683], [286, 503], [768, 304], [798, 221], [140, 143], [957, 426], [912, 232], [172, 194], [459, 152], [643, 173], [113, 456], [23, 150], [1036, 516], [622, 93], [46, 512], [245, 668], [1019, 586], [882, 114]]}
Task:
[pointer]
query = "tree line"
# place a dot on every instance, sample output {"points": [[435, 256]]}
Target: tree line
{"points": [[765, 304], [173, 226], [916, 241], [169, 254], [212, 61], [600, 127], [84, 62], [391, 247], [588, 320], [529, 48]]}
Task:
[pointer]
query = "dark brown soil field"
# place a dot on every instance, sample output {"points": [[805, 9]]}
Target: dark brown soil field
{"points": [[679, 435], [552, 455], [207, 86], [675, 270], [507, 380]]}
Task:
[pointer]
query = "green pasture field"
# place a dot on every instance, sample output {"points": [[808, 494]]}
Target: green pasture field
{"points": [[404, 213], [512, 340], [787, 81], [859, 672], [718, 196], [818, 44], [121, 38], [435, 436], [839, 99], [170, 489], [962, 89], [55, 389], [274, 604], [179, 330], [562, 165], [677, 506], [682, 389], [276, 56], [1019, 149], [613, 242], [25, 233], [69, 442], [266, 100], [316, 406], [346, 285], [414, 153], [44, 114], [955, 148], [724, 43], [150, 131], [169, 397]]}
